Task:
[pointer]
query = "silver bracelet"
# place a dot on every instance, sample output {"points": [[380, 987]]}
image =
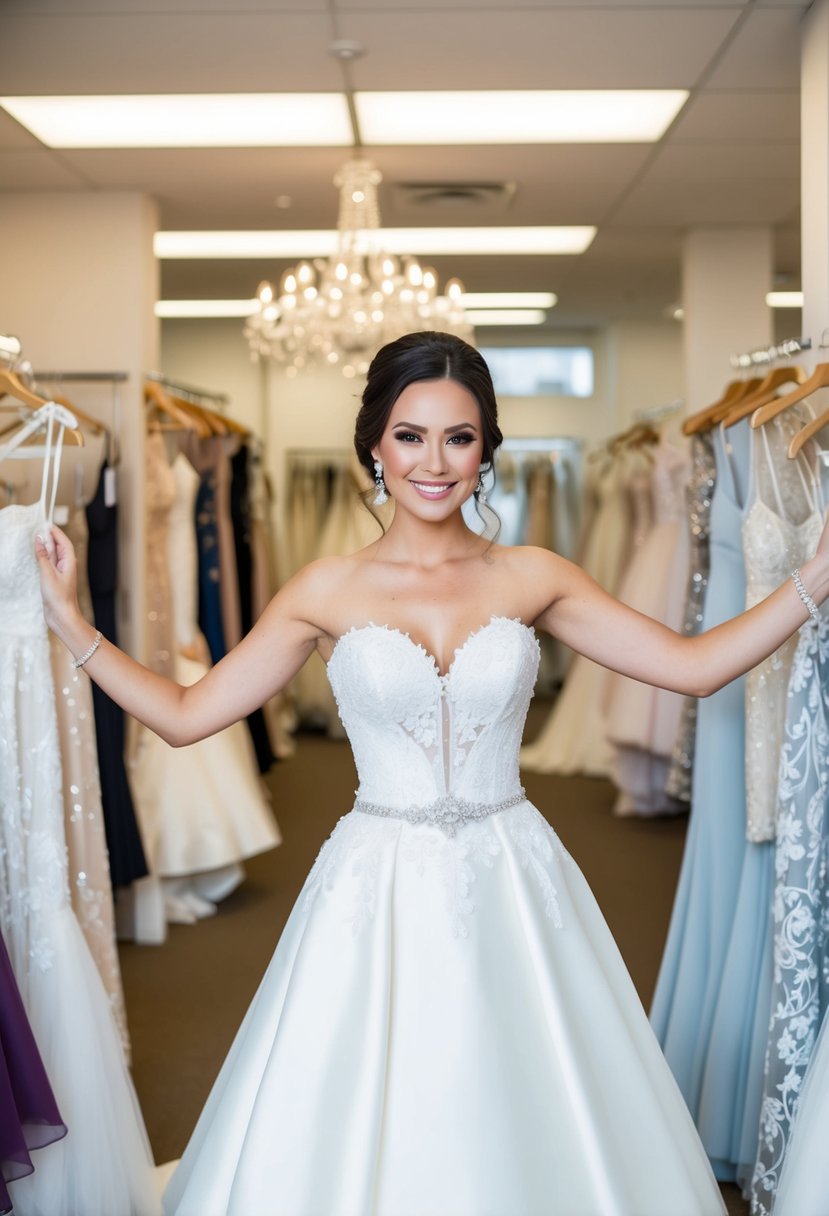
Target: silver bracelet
{"points": [[76, 663], [808, 602]]}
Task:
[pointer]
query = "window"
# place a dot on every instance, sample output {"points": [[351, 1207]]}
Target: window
{"points": [[541, 371]]}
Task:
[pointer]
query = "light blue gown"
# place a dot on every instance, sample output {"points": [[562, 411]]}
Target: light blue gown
{"points": [[706, 1012]]}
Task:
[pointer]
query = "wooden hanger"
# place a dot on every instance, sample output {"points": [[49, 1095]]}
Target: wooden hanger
{"points": [[818, 379], [807, 432], [704, 419], [12, 386], [765, 393], [158, 401]]}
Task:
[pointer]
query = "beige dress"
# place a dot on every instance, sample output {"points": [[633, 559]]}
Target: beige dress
{"points": [[89, 881]]}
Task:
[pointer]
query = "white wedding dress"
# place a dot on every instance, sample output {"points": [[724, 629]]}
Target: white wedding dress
{"points": [[446, 1026]]}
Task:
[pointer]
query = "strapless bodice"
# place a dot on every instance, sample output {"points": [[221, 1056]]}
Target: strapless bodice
{"points": [[21, 607], [419, 736]]}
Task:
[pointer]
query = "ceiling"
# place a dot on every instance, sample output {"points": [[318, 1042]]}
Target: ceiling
{"points": [[730, 158]]}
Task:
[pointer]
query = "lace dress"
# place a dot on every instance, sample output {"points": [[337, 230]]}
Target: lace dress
{"points": [[103, 1166], [801, 945], [446, 1025], [700, 493]]}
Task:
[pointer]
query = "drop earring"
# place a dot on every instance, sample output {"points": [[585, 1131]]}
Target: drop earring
{"points": [[480, 489], [381, 495]]}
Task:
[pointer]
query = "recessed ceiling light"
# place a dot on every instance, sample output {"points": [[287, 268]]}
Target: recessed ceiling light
{"points": [[186, 120], [505, 316], [784, 299], [518, 117], [509, 299], [179, 309], [418, 241]]}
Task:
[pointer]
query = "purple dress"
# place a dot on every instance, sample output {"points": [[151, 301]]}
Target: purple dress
{"points": [[29, 1116]]}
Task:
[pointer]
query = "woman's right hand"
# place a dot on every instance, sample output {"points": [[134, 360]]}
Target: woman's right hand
{"points": [[58, 574]]}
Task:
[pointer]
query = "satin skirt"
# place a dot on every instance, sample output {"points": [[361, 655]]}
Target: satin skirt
{"points": [[446, 1026]]}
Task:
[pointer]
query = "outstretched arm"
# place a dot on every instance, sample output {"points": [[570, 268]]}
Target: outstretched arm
{"points": [[262, 664], [592, 622]]}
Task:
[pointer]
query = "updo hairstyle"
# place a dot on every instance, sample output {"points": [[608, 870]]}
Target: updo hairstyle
{"points": [[427, 355]]}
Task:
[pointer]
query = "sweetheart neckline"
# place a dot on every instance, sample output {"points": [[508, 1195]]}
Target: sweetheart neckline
{"points": [[442, 676]]}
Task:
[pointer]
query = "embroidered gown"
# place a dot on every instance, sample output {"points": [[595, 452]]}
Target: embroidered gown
{"points": [[446, 1024]]}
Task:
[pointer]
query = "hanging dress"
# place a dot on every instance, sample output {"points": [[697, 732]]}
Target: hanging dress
{"points": [[103, 1166], [89, 880], [573, 740], [800, 904], [127, 862], [202, 808], [29, 1117], [691, 973], [700, 493]]}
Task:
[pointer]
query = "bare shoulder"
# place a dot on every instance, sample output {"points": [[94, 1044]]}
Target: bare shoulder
{"points": [[542, 576], [325, 577]]}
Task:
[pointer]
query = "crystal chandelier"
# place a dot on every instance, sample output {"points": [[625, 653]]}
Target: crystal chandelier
{"points": [[339, 311]]}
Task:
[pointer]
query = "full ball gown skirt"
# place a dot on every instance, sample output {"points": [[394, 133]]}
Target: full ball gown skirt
{"points": [[446, 1025]]}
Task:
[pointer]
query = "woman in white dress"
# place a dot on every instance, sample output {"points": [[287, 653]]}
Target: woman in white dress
{"points": [[446, 1024]]}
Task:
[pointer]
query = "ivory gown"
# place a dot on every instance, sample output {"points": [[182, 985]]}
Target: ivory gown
{"points": [[446, 1025]]}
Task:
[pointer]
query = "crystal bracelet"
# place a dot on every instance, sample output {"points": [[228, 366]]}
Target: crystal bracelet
{"points": [[76, 663], [808, 602]]}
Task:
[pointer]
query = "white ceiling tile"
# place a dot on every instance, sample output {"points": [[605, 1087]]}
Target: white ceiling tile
{"points": [[683, 204], [715, 163], [533, 49], [37, 170], [135, 53], [765, 53], [736, 116]]}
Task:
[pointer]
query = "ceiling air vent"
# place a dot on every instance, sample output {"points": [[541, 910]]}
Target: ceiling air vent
{"points": [[486, 197]]}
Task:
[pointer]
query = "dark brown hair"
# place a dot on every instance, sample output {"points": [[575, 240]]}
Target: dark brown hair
{"points": [[427, 355]]}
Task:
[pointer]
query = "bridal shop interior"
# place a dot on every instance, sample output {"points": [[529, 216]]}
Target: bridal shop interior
{"points": [[625, 206]]}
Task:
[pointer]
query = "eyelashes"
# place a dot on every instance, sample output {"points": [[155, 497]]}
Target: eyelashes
{"points": [[461, 439]]}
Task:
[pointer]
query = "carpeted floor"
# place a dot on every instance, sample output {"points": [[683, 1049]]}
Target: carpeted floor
{"points": [[186, 999]]}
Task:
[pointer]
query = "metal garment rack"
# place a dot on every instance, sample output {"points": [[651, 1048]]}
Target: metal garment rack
{"points": [[761, 356], [188, 390]]}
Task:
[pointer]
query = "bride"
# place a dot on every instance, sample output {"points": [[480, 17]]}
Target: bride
{"points": [[446, 1027]]}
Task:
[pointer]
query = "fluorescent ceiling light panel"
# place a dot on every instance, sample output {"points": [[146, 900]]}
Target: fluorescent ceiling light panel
{"points": [[205, 308], [191, 120], [516, 117], [784, 299], [509, 299], [505, 316], [419, 241]]}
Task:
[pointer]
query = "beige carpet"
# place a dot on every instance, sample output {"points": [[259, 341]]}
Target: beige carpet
{"points": [[186, 999]]}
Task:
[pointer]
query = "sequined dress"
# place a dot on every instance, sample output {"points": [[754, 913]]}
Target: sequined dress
{"points": [[700, 492], [446, 1024]]}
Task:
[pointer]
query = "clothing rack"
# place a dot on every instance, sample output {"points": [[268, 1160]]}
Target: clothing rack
{"points": [[771, 354], [116, 379], [196, 395]]}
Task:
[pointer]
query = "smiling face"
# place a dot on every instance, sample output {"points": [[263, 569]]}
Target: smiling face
{"points": [[432, 448]]}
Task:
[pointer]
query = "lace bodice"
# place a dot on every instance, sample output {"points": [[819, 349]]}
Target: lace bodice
{"points": [[418, 735], [780, 531], [21, 608]]}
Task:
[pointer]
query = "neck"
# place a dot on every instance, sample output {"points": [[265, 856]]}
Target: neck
{"points": [[419, 542]]}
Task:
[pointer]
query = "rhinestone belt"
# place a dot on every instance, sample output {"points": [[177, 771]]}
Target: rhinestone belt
{"points": [[447, 813]]}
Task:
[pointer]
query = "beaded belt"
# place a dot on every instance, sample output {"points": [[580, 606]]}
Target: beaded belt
{"points": [[447, 813]]}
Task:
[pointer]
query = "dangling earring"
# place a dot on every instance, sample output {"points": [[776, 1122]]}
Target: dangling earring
{"points": [[382, 494], [480, 488]]}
